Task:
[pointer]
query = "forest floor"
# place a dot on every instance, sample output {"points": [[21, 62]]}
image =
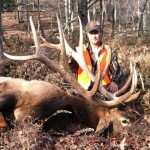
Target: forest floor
{"points": [[17, 41]]}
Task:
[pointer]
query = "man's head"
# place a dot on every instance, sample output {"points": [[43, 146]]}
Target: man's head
{"points": [[94, 33], [93, 25]]}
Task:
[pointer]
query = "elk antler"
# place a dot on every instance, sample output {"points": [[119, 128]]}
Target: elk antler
{"points": [[78, 56], [53, 66]]}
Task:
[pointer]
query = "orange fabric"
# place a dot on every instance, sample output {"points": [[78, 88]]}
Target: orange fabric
{"points": [[104, 53], [82, 78]]}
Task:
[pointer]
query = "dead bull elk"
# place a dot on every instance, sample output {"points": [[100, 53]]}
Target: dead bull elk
{"points": [[39, 99]]}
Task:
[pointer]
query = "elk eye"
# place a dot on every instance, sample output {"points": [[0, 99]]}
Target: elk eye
{"points": [[125, 121]]}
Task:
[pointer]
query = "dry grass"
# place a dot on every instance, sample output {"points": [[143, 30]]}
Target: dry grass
{"points": [[29, 136]]}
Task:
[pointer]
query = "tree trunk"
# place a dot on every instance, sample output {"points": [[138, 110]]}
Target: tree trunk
{"points": [[113, 23], [138, 13], [27, 7], [94, 11], [101, 11], [119, 14], [83, 11], [39, 20], [140, 31], [115, 12], [103, 14], [145, 17], [61, 15], [68, 15], [20, 16], [1, 32]]}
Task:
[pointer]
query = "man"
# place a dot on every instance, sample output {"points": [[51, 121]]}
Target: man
{"points": [[94, 50]]}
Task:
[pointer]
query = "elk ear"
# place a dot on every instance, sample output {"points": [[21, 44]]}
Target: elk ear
{"points": [[102, 126]]}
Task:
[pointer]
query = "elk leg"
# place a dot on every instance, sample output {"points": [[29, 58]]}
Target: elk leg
{"points": [[7, 101]]}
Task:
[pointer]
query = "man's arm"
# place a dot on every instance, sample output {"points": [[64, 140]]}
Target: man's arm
{"points": [[114, 70]]}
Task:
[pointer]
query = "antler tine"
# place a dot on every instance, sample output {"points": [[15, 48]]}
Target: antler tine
{"points": [[78, 56], [114, 96], [49, 45], [105, 92], [137, 94], [101, 88], [97, 81], [133, 97], [35, 56], [143, 88], [29, 57], [81, 49], [99, 76], [37, 45], [123, 98], [62, 44], [127, 82], [83, 63], [35, 38], [135, 79]]}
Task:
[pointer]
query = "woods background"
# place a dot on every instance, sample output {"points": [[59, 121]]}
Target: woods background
{"points": [[126, 27]]}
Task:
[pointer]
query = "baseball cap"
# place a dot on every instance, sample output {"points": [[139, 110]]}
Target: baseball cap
{"points": [[93, 25]]}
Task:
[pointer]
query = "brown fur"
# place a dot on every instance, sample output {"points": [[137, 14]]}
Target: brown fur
{"points": [[2, 121], [39, 99]]}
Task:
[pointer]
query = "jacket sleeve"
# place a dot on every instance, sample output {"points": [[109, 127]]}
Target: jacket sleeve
{"points": [[115, 71]]}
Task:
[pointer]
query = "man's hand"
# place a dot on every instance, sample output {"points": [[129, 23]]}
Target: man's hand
{"points": [[113, 87]]}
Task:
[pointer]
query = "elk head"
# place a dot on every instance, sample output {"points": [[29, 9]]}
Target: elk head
{"points": [[99, 112]]}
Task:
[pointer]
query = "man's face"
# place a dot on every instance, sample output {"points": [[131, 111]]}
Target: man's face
{"points": [[94, 36]]}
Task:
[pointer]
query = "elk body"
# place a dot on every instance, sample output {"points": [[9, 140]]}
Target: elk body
{"points": [[39, 99]]}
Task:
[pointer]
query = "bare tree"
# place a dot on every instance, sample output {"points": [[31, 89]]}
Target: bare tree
{"points": [[83, 11], [20, 15], [27, 8], [1, 32], [142, 21], [39, 19], [113, 22], [68, 14]]}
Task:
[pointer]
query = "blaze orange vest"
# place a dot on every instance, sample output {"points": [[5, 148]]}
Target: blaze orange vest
{"points": [[82, 78]]}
